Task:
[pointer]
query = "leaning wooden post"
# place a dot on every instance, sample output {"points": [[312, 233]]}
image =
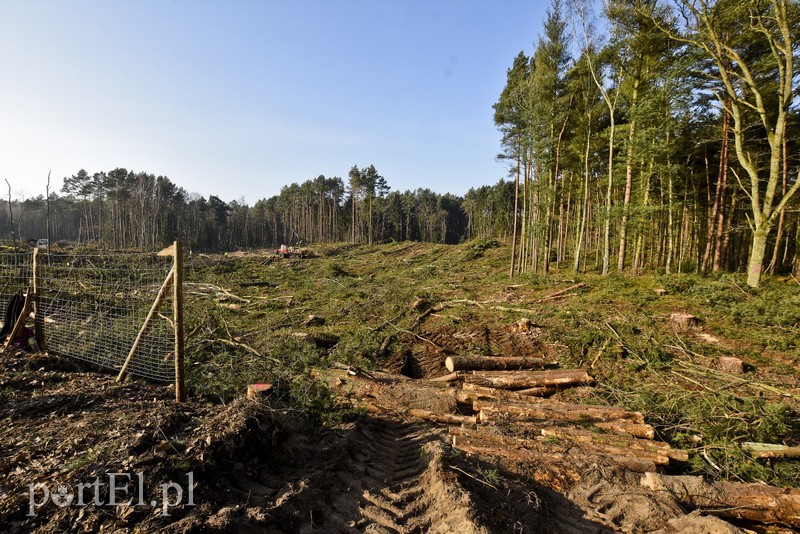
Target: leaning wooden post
{"points": [[162, 293], [38, 311], [177, 309]]}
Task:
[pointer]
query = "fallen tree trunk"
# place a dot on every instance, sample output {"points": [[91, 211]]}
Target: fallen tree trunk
{"points": [[752, 502], [624, 428], [638, 430], [568, 444], [529, 451], [529, 379], [444, 418], [546, 410], [617, 440], [492, 363], [472, 392]]}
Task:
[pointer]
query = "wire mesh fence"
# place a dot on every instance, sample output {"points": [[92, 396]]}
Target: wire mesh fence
{"points": [[93, 307]]}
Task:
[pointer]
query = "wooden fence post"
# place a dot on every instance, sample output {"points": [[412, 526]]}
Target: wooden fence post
{"points": [[38, 311], [177, 308]]}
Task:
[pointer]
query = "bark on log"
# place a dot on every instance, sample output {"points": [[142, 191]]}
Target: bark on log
{"points": [[492, 363], [553, 410], [752, 502], [444, 418], [528, 451], [541, 391], [617, 440], [638, 430], [472, 392], [529, 379], [624, 428]]}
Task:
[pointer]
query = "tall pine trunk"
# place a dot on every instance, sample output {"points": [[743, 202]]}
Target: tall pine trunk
{"points": [[623, 229]]}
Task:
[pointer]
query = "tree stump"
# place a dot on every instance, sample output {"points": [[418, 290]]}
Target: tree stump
{"points": [[683, 320], [257, 391], [731, 365]]}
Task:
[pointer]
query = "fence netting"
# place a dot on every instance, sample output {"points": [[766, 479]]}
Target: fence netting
{"points": [[93, 306]]}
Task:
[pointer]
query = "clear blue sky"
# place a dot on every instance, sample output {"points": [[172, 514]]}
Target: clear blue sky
{"points": [[238, 98]]}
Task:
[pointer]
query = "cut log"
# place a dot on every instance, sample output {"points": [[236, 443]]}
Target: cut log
{"points": [[634, 429], [617, 440], [472, 392], [529, 379], [445, 418], [546, 410], [769, 450], [752, 502], [475, 392], [492, 363]]}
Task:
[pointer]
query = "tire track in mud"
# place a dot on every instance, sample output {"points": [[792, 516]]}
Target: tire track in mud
{"points": [[385, 478]]}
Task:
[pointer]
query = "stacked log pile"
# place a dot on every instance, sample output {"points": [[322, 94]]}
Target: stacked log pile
{"points": [[514, 420], [500, 407]]}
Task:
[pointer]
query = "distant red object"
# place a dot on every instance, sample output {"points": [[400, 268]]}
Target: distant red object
{"points": [[290, 252]]}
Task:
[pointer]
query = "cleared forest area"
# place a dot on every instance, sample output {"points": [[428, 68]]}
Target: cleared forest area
{"points": [[634, 374]]}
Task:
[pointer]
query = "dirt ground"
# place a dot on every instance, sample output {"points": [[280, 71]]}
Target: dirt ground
{"points": [[258, 469]]}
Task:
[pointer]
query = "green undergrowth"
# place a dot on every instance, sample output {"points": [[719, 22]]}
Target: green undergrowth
{"points": [[250, 320]]}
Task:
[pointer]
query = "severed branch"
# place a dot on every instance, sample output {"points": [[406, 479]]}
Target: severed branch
{"points": [[218, 290], [561, 293]]}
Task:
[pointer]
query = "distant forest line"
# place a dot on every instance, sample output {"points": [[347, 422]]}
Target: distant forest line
{"points": [[669, 143], [124, 209]]}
